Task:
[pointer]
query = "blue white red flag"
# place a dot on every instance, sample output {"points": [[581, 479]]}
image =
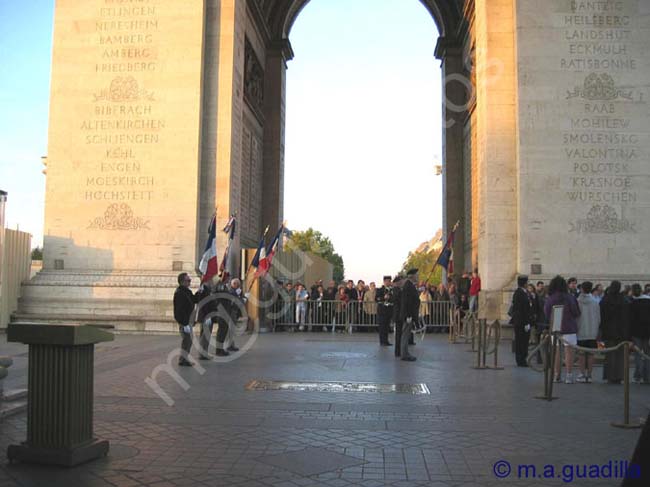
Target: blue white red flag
{"points": [[266, 262], [209, 265], [227, 263], [446, 257], [260, 254]]}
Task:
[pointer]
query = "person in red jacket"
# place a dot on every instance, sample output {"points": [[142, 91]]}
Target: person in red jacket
{"points": [[474, 289]]}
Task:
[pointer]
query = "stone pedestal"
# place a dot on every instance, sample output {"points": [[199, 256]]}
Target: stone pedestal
{"points": [[60, 394]]}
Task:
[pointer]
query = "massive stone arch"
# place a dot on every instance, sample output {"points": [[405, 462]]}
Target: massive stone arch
{"points": [[160, 113], [280, 15]]}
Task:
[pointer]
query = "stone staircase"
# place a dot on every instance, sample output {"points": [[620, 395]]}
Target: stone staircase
{"points": [[13, 402]]}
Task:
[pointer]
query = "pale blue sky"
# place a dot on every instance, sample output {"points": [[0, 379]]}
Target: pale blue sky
{"points": [[364, 130], [363, 125]]}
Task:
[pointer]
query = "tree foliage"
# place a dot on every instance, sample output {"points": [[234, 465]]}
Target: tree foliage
{"points": [[315, 242], [424, 261], [37, 253]]}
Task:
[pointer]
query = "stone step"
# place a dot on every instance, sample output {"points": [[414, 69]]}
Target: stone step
{"points": [[13, 402]]}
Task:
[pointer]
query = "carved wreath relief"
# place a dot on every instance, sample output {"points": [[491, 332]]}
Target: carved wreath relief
{"points": [[599, 87], [123, 90], [119, 216], [603, 219]]}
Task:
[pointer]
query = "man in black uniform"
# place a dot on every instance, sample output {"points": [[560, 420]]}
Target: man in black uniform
{"points": [[184, 302], [409, 312], [385, 305], [522, 320], [397, 317]]}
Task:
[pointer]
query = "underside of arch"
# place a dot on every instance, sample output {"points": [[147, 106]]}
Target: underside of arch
{"points": [[280, 15]]}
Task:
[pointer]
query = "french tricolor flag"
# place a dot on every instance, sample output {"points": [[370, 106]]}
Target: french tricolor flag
{"points": [[226, 268], [267, 260], [260, 254], [209, 266]]}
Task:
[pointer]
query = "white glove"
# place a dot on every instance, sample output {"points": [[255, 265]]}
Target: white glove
{"points": [[409, 320], [187, 329], [527, 328]]}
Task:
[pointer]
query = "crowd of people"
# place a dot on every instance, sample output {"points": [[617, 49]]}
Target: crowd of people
{"points": [[332, 307], [592, 317]]}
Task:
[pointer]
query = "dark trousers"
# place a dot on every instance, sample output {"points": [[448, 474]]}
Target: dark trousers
{"points": [[383, 321], [398, 338], [222, 332], [206, 335], [407, 336], [614, 363], [186, 344], [521, 344]]}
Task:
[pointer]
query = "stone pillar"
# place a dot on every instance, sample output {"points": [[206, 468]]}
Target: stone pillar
{"points": [[209, 112], [60, 394], [277, 56], [225, 92], [496, 150], [455, 89]]}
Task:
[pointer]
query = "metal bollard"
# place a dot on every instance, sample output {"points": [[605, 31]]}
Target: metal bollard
{"points": [[626, 392], [497, 341], [480, 354], [549, 367], [485, 342], [473, 331]]}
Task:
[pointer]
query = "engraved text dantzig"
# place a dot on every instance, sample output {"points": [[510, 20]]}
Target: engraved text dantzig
{"points": [[119, 217]]}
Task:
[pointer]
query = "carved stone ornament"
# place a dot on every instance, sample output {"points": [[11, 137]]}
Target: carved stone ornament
{"points": [[119, 216], [253, 80], [603, 219], [599, 88], [123, 90]]}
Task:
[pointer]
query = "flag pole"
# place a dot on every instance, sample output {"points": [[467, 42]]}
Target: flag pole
{"points": [[453, 230], [214, 216], [266, 230]]}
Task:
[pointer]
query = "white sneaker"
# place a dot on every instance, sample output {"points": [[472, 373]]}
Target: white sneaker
{"points": [[569, 379], [582, 379]]}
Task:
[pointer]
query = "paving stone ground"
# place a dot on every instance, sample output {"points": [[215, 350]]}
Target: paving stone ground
{"points": [[216, 433]]}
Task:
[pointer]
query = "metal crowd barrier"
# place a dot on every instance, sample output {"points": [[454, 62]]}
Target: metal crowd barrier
{"points": [[333, 316], [484, 334], [550, 347]]}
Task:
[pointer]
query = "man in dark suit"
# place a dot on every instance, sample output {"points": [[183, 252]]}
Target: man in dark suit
{"points": [[397, 314], [409, 311], [184, 302], [385, 305], [522, 320]]}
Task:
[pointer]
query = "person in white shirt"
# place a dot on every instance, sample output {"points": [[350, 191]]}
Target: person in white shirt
{"points": [[588, 324]]}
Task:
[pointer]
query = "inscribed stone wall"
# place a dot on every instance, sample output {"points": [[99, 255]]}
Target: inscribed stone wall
{"points": [[122, 177], [237, 116], [250, 197], [584, 136]]}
